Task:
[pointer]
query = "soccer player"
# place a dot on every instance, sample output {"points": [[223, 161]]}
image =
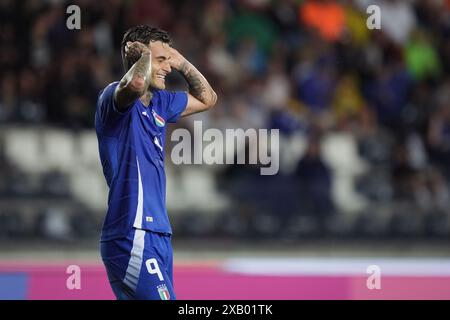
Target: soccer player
{"points": [[130, 122]]}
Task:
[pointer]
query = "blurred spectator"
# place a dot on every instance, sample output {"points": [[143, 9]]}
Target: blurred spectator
{"points": [[439, 137], [222, 61], [388, 93], [252, 31], [405, 178], [347, 101], [316, 84], [397, 19], [215, 15], [314, 178], [375, 142], [8, 97], [356, 25], [327, 17], [153, 12], [277, 88], [30, 106], [421, 58]]}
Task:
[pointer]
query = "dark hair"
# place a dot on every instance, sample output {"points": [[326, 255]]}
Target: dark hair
{"points": [[144, 34]]}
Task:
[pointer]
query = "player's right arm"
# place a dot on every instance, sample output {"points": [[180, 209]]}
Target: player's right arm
{"points": [[136, 81]]}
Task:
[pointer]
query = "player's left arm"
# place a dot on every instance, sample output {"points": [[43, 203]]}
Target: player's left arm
{"points": [[201, 95]]}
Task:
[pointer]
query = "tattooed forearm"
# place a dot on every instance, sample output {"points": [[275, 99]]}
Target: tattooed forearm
{"points": [[134, 83], [198, 85], [142, 69]]}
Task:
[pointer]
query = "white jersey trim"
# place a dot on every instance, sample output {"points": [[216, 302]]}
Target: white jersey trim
{"points": [[135, 263], [140, 205]]}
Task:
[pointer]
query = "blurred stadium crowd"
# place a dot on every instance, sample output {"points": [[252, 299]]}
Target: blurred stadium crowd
{"points": [[364, 115]]}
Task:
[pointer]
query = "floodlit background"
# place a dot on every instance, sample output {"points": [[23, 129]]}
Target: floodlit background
{"points": [[364, 120]]}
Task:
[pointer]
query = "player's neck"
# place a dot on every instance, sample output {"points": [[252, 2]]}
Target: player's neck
{"points": [[146, 98]]}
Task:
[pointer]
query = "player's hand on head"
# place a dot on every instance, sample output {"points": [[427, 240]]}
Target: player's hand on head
{"points": [[176, 59], [134, 50]]}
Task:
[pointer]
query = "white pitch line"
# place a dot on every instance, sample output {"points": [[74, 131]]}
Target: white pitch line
{"points": [[338, 266]]}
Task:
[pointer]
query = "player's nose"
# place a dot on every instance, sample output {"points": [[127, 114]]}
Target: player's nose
{"points": [[167, 67]]}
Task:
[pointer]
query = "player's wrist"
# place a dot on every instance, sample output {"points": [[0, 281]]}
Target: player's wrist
{"points": [[184, 66]]}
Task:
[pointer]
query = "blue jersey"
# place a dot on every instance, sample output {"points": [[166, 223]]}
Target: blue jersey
{"points": [[131, 146]]}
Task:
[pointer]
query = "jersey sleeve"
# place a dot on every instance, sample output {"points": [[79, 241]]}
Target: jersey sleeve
{"points": [[176, 103], [106, 106]]}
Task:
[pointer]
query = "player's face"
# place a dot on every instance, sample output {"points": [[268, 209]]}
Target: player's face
{"points": [[160, 64]]}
